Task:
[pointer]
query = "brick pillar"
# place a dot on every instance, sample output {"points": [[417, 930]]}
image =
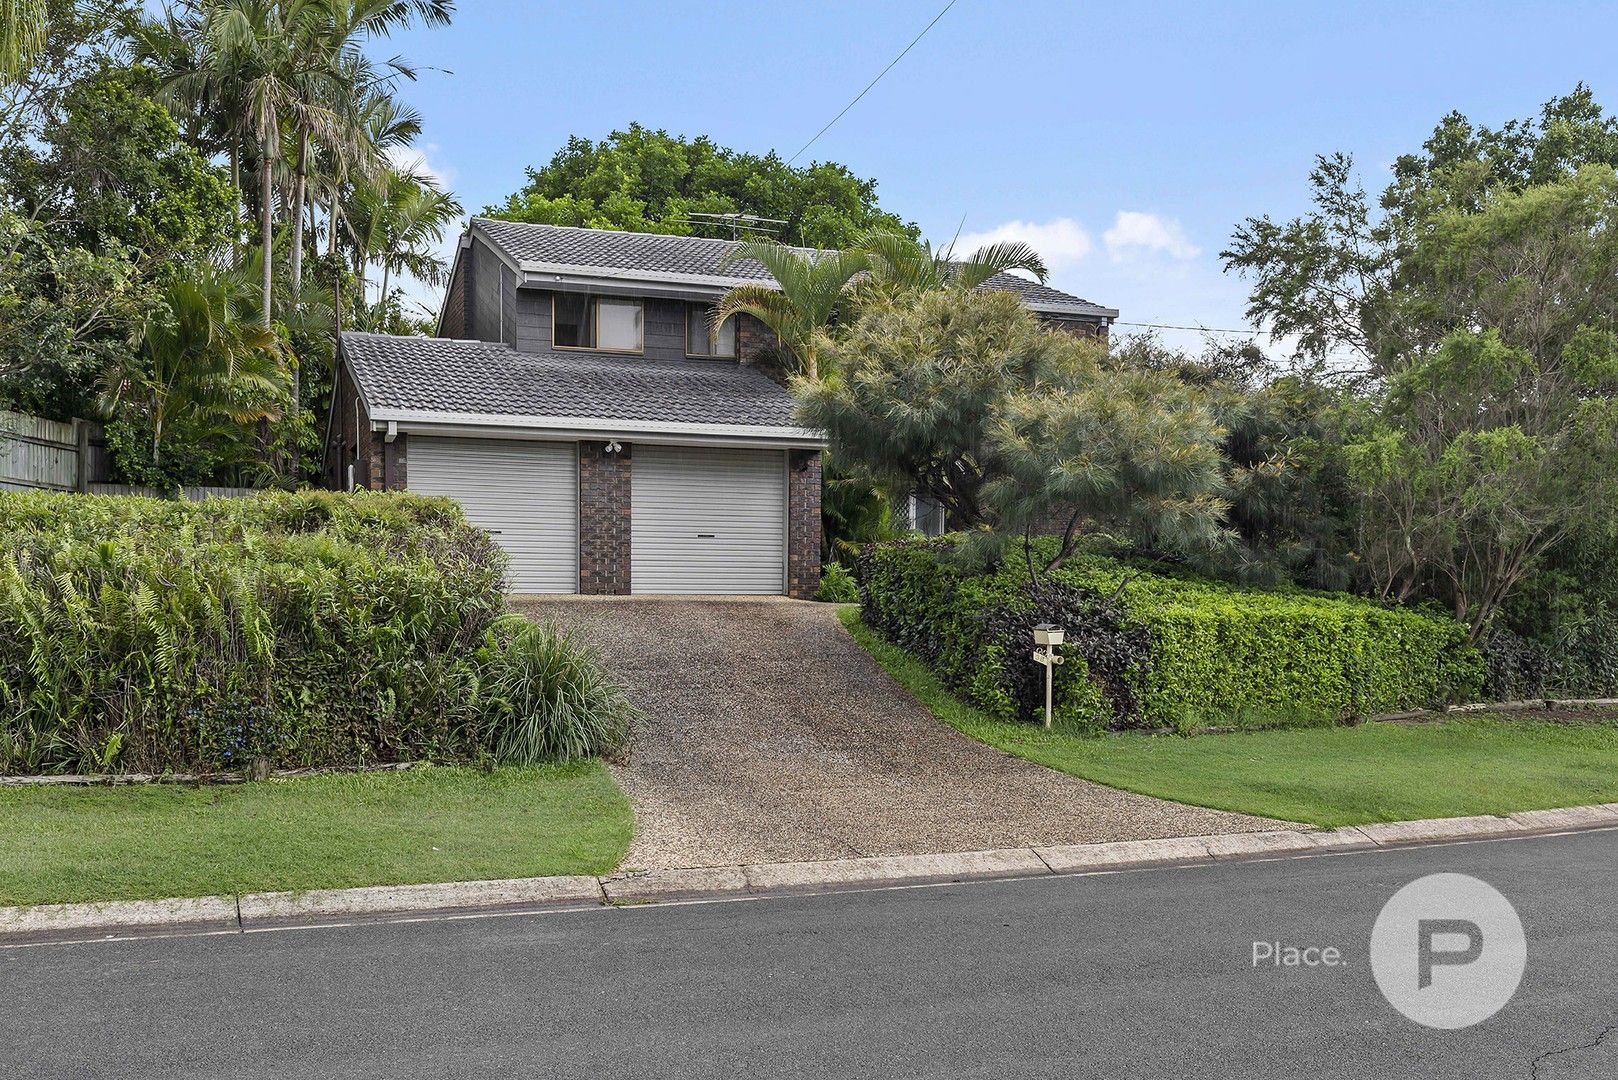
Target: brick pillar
{"points": [[603, 519], [395, 474], [803, 523]]}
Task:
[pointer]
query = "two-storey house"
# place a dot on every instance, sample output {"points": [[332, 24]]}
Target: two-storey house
{"points": [[577, 407]]}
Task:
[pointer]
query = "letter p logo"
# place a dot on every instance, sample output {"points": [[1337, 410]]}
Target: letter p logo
{"points": [[1459, 924], [1428, 958]]}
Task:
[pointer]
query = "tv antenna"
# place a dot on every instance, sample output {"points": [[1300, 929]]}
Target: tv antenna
{"points": [[739, 224]]}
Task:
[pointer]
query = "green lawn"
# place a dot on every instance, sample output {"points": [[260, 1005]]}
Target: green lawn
{"points": [[60, 844], [1325, 776]]}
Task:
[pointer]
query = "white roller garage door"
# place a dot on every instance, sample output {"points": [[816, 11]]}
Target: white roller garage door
{"points": [[525, 493], [707, 520]]}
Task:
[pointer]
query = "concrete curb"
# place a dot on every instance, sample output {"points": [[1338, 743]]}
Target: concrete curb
{"points": [[265, 910]]}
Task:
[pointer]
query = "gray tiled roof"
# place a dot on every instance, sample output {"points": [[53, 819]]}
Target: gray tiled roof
{"points": [[445, 375], [608, 249], [1044, 298], [647, 255]]}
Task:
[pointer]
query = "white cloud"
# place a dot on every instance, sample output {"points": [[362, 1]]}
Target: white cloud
{"points": [[1062, 243], [420, 161], [1135, 232]]}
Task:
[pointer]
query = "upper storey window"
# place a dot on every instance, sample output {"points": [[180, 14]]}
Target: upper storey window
{"points": [[697, 341], [597, 322]]}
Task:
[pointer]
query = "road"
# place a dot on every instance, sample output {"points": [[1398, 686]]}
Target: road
{"points": [[1140, 974]]}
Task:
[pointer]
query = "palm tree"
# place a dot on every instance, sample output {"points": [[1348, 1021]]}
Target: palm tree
{"points": [[810, 288], [352, 83], [397, 221], [901, 263], [197, 359], [258, 48], [23, 25]]}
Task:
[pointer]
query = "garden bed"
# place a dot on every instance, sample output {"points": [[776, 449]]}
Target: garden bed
{"points": [[1149, 649], [1469, 763], [286, 630]]}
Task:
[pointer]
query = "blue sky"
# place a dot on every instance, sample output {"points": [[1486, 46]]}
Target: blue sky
{"points": [[1125, 141]]}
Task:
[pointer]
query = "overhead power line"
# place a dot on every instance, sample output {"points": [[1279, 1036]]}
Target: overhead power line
{"points": [[872, 83], [1200, 329]]}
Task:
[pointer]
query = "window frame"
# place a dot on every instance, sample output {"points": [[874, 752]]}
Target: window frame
{"points": [[591, 301], [735, 319]]}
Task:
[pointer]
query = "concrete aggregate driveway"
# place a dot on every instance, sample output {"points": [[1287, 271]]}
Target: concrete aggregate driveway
{"points": [[772, 736]]}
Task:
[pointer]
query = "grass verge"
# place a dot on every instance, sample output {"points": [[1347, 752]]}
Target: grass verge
{"points": [[61, 845], [1478, 764]]}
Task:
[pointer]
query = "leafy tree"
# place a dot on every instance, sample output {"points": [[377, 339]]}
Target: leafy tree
{"points": [[119, 174], [1016, 429], [1484, 459], [1330, 277], [66, 314], [1291, 507], [649, 181], [200, 370]]}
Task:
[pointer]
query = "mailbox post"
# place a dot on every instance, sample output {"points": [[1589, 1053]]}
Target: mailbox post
{"points": [[1047, 637]]}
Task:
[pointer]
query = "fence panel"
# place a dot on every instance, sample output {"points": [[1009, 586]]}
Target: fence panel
{"points": [[195, 494], [38, 454]]}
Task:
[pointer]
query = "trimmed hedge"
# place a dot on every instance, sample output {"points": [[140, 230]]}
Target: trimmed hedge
{"points": [[1152, 649], [303, 629]]}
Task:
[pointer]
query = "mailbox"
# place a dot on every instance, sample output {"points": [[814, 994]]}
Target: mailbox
{"points": [[1047, 634]]}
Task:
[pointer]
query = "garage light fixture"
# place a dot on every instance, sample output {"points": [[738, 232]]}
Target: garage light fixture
{"points": [[615, 447]]}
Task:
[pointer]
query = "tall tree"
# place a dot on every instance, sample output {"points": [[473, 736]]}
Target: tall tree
{"points": [[1328, 278], [1015, 429], [647, 180], [398, 221]]}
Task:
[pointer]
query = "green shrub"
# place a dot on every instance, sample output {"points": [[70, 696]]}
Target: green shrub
{"points": [[306, 629], [1159, 649], [547, 699], [837, 585]]}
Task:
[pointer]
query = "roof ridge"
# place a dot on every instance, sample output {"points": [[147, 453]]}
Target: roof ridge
{"points": [[629, 232]]}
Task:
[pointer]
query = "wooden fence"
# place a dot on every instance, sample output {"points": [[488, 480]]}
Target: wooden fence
{"points": [[45, 455], [195, 494], [40, 454]]}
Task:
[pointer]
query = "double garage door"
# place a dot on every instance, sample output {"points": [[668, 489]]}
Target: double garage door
{"points": [[702, 519]]}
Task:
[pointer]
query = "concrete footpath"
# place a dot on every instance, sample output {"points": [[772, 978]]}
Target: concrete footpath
{"points": [[250, 911]]}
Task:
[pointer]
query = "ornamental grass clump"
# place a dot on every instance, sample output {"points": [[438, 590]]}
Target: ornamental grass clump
{"points": [[306, 629]]}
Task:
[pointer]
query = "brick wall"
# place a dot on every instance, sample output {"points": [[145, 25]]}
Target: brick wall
{"points": [[803, 523], [604, 519], [757, 347], [1075, 326]]}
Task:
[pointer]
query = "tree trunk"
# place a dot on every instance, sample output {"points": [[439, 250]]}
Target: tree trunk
{"points": [[236, 201], [298, 187], [266, 226]]}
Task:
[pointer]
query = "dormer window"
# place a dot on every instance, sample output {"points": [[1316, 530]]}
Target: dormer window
{"points": [[604, 323], [697, 342]]}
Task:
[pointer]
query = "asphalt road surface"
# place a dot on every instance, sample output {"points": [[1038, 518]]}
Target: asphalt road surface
{"points": [[1140, 974]]}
